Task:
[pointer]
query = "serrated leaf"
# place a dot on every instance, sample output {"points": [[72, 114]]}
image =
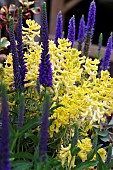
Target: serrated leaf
{"points": [[103, 133], [4, 43], [85, 164], [36, 10]]}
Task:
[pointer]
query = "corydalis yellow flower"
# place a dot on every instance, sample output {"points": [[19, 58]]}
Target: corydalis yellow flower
{"points": [[85, 145], [66, 157], [31, 32], [102, 153]]}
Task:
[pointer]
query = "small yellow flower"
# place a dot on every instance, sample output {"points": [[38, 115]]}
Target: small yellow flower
{"points": [[66, 157], [85, 145]]}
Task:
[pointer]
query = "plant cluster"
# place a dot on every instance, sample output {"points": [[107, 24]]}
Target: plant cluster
{"points": [[55, 99]]}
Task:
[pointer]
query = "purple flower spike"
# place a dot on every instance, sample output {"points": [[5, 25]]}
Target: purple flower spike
{"points": [[90, 27], [23, 69], [45, 70], [71, 30], [91, 16], [59, 28], [4, 144], [106, 59], [16, 68], [81, 33], [44, 129]]}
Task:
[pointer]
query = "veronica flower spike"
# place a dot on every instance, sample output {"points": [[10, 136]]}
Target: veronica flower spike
{"points": [[71, 30], [23, 68], [81, 33], [4, 143], [16, 68], [45, 70], [106, 59], [59, 28], [90, 27]]}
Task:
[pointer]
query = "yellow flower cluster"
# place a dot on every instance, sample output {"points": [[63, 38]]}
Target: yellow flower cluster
{"points": [[85, 146], [76, 85]]}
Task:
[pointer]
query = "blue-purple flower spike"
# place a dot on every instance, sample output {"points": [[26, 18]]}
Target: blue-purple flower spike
{"points": [[45, 70], [23, 69], [16, 68], [71, 30], [44, 129], [4, 144], [90, 27], [59, 28], [106, 59], [81, 33]]}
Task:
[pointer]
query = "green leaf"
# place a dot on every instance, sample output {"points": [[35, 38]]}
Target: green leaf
{"points": [[21, 165], [74, 151], [103, 133], [23, 155], [91, 154], [4, 43], [109, 154], [36, 10], [105, 139], [110, 165], [101, 165], [34, 138], [36, 104], [85, 164], [55, 107], [29, 125], [111, 122]]}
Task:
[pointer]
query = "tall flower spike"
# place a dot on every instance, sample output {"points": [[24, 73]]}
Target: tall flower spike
{"points": [[99, 45], [45, 70], [71, 30], [16, 68], [21, 111], [106, 59], [90, 27], [59, 28], [81, 33], [23, 68], [44, 129], [4, 145]]}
